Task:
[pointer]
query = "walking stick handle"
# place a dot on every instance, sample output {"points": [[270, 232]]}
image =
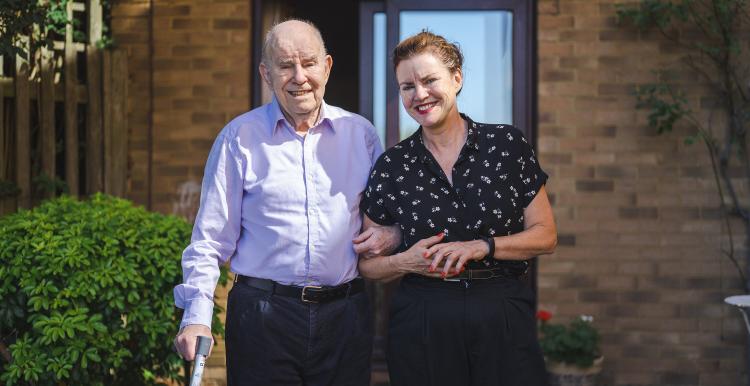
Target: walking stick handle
{"points": [[202, 346]]}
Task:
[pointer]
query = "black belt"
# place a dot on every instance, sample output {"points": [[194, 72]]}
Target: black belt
{"points": [[511, 270], [308, 293]]}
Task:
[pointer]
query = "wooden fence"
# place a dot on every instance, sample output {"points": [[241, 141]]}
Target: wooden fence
{"points": [[64, 114]]}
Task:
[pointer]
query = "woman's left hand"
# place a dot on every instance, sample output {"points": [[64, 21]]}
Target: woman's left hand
{"points": [[455, 254]]}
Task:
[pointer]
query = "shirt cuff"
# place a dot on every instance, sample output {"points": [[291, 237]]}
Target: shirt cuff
{"points": [[198, 311]]}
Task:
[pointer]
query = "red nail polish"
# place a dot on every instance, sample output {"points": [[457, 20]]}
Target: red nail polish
{"points": [[442, 275], [431, 269], [424, 254], [441, 234]]}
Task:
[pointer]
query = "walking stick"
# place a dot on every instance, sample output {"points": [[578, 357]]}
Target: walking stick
{"points": [[202, 346]]}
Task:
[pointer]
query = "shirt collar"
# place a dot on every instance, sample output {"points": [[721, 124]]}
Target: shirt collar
{"points": [[277, 118], [472, 140]]}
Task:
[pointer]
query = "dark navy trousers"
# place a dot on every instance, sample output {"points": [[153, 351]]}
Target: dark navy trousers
{"points": [[278, 340], [450, 333]]}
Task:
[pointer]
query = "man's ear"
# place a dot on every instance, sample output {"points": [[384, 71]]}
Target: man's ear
{"points": [[329, 65], [263, 70]]}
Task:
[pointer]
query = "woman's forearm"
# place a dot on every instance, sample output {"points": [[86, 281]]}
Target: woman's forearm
{"points": [[537, 240]]}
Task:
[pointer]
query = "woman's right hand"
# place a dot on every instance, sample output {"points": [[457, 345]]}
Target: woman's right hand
{"points": [[413, 260]]}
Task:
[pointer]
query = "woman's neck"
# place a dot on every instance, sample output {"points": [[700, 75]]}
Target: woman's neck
{"points": [[451, 134]]}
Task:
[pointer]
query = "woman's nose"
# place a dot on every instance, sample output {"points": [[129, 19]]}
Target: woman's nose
{"points": [[420, 92]]}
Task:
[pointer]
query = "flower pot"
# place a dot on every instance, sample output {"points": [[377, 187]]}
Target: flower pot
{"points": [[562, 374]]}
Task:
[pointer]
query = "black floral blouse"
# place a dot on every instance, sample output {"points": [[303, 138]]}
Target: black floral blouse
{"points": [[495, 177]]}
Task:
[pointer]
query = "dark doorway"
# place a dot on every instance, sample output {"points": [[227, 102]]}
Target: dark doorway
{"points": [[338, 21]]}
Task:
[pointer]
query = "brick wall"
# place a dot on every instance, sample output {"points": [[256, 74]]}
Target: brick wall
{"points": [[200, 64], [637, 214]]}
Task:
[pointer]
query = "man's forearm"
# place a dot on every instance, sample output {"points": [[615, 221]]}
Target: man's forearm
{"points": [[379, 268]]}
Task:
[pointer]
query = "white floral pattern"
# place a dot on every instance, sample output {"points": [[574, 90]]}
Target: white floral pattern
{"points": [[495, 177]]}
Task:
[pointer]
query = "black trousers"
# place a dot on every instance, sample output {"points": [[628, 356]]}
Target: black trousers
{"points": [[448, 333], [278, 340]]}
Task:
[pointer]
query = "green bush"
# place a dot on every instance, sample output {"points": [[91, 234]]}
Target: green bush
{"points": [[574, 344], [86, 293]]}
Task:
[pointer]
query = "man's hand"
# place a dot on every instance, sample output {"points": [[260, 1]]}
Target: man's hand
{"points": [[378, 240], [184, 343]]}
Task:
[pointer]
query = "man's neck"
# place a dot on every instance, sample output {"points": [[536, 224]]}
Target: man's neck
{"points": [[302, 123]]}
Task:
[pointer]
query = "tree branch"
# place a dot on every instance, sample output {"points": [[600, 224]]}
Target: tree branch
{"points": [[724, 213]]}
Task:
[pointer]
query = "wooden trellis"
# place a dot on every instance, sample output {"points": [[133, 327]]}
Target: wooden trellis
{"points": [[94, 117]]}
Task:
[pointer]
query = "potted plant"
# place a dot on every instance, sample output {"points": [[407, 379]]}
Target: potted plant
{"points": [[571, 351]]}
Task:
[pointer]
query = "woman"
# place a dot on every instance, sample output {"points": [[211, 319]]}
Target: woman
{"points": [[471, 203]]}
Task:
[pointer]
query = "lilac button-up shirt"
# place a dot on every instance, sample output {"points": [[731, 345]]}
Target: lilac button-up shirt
{"points": [[281, 206]]}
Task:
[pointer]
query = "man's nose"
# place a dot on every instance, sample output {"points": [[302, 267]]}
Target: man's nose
{"points": [[299, 74]]}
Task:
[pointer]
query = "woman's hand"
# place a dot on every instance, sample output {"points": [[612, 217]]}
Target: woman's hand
{"points": [[454, 255], [416, 258]]}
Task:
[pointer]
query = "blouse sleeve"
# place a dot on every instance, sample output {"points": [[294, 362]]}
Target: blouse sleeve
{"points": [[530, 172], [378, 198]]}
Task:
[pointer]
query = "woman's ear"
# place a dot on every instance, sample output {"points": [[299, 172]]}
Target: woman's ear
{"points": [[458, 80]]}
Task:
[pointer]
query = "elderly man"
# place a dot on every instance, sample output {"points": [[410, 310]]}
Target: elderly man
{"points": [[281, 196]]}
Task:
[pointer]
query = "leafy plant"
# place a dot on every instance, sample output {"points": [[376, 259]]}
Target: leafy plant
{"points": [[86, 293], [106, 41], [712, 35], [575, 344], [37, 19]]}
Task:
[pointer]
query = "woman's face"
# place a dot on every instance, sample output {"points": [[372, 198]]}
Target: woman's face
{"points": [[428, 89]]}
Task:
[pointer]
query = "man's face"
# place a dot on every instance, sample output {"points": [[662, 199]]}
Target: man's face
{"points": [[297, 71]]}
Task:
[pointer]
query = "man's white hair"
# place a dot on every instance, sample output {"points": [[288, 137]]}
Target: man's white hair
{"points": [[271, 34]]}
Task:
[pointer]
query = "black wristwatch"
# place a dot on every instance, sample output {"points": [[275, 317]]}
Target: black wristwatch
{"points": [[491, 244]]}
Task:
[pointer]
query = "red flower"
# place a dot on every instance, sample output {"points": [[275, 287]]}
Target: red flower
{"points": [[543, 315]]}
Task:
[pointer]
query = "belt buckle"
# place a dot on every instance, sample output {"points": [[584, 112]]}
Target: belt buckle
{"points": [[304, 293], [457, 278]]}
